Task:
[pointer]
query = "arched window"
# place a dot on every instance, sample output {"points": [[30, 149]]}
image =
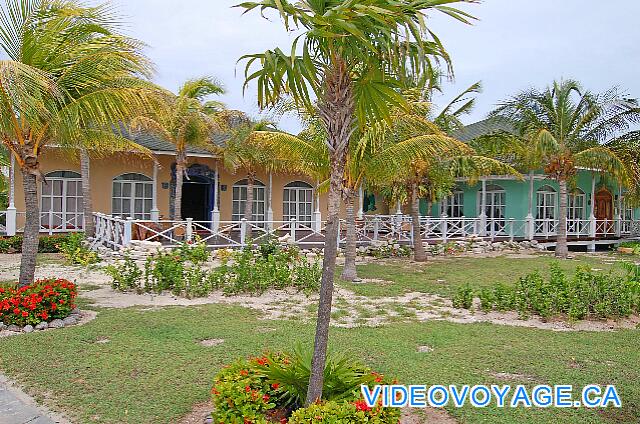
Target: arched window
{"points": [[240, 200], [298, 202], [453, 206], [61, 201], [546, 203], [132, 196], [576, 206]]}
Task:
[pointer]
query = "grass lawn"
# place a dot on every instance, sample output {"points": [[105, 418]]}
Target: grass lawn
{"points": [[153, 370], [444, 275]]}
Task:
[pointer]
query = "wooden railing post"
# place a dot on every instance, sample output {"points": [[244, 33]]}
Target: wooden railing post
{"points": [[128, 231], [292, 233], [243, 231], [189, 232]]}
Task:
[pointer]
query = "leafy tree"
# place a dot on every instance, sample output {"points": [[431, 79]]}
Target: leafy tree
{"points": [[69, 77], [563, 128], [351, 53], [186, 119]]}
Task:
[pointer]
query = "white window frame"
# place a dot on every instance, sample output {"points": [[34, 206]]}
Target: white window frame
{"points": [[62, 220], [145, 184], [453, 205], [577, 205], [291, 199], [546, 203], [239, 193]]}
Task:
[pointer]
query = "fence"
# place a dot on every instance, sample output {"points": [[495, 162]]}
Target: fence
{"points": [[116, 232]]}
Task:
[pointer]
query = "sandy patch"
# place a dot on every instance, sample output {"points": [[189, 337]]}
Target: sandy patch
{"points": [[426, 416], [211, 342], [198, 415]]}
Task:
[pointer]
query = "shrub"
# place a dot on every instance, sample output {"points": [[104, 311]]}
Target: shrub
{"points": [[272, 388], [75, 250], [463, 297], [390, 249], [46, 244], [44, 300], [587, 295], [125, 276], [487, 299]]}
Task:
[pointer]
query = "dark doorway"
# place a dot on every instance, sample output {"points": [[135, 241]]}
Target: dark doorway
{"points": [[197, 198]]}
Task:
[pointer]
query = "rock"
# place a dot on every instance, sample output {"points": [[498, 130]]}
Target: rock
{"points": [[42, 326], [211, 342], [69, 321], [425, 349], [14, 328], [76, 311], [2, 326], [56, 323], [28, 329]]}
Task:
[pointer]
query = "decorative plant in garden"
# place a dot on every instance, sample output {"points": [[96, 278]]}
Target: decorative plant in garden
{"points": [[250, 270], [44, 300], [588, 294], [272, 388]]}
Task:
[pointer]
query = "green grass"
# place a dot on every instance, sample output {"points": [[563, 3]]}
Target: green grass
{"points": [[153, 370], [444, 275]]}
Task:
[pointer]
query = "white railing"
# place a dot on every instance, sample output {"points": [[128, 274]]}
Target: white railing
{"points": [[115, 232], [54, 222]]}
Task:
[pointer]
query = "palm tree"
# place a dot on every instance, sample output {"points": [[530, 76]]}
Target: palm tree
{"points": [[249, 149], [350, 56], [563, 128], [68, 78], [187, 119]]}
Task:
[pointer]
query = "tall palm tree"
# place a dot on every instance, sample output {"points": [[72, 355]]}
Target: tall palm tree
{"points": [[351, 53], [187, 119], [563, 128], [68, 78]]}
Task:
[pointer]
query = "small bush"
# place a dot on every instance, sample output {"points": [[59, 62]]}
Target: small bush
{"points": [[587, 295], [125, 276], [44, 300], [463, 297], [272, 388], [75, 250]]}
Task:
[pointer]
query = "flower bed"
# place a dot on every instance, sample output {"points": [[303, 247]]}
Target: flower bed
{"points": [[272, 388], [43, 301]]}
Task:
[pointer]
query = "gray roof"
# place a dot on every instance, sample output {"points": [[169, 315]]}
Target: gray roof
{"points": [[158, 144], [484, 127]]}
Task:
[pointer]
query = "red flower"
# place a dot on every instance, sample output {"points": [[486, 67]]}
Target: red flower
{"points": [[244, 372], [247, 389], [266, 398], [25, 314], [275, 386], [361, 405]]}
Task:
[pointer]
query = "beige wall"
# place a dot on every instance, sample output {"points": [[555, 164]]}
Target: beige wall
{"points": [[104, 170]]}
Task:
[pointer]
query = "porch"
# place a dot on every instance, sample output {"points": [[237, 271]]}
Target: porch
{"points": [[116, 233]]}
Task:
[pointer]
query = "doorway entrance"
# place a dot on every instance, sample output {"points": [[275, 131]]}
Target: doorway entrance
{"points": [[603, 205], [197, 198]]}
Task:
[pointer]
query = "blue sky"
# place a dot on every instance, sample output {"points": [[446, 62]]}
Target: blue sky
{"points": [[514, 45]]}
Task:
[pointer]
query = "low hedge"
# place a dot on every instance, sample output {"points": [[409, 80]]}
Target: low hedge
{"points": [[44, 300], [47, 244]]}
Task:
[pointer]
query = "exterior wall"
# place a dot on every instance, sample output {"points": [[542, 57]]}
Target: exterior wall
{"points": [[104, 170], [517, 196]]}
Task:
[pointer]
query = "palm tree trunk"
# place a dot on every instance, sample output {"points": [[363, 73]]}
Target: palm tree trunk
{"points": [[562, 249], [87, 204], [31, 228], [336, 110], [349, 272], [248, 206], [181, 162], [419, 254]]}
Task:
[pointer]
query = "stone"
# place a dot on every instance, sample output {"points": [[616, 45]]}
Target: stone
{"points": [[56, 323], [42, 326], [69, 321], [425, 349], [14, 328], [211, 342], [2, 326], [28, 329]]}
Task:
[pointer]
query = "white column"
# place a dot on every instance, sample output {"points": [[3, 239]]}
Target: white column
{"points": [[317, 215], [592, 217], [11, 210], [530, 223], [361, 203], [619, 216], [483, 207], [270, 201], [155, 212], [215, 213], [399, 208], [443, 207]]}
